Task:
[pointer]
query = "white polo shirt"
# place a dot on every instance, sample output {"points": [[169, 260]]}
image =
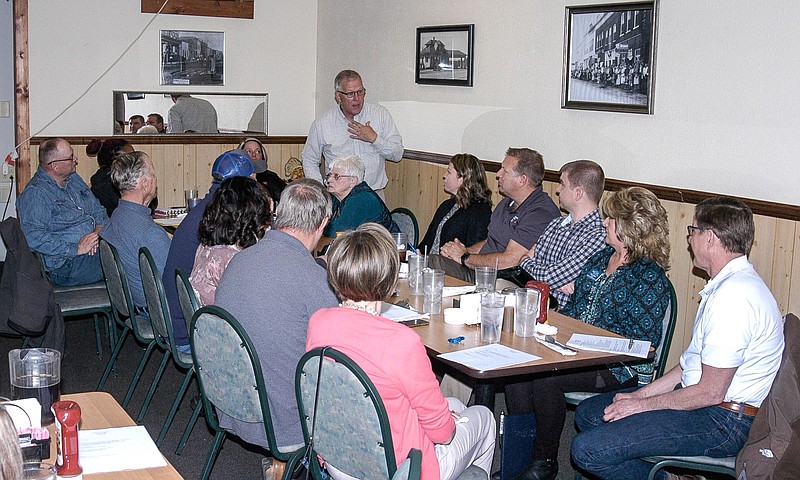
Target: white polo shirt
{"points": [[738, 325]]}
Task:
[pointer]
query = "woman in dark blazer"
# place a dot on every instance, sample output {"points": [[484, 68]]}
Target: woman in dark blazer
{"points": [[466, 214]]}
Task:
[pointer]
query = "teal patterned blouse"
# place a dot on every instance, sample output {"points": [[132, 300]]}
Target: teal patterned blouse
{"points": [[631, 301]]}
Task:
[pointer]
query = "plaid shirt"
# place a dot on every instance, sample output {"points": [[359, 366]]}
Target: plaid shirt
{"points": [[563, 249]]}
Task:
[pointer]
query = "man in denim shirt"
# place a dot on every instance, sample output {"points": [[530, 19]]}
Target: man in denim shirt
{"points": [[61, 217]]}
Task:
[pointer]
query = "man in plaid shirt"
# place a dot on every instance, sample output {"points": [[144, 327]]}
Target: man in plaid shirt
{"points": [[569, 241]]}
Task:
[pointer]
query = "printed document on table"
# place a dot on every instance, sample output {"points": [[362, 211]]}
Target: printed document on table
{"points": [[599, 343], [489, 357], [116, 449], [400, 314]]}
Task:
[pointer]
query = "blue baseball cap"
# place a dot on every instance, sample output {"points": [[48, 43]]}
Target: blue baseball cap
{"points": [[233, 163]]}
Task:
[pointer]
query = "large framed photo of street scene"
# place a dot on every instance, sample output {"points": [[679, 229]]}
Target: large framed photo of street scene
{"points": [[609, 57], [192, 57], [445, 55]]}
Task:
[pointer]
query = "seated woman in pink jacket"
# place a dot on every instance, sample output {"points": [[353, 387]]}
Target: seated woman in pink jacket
{"points": [[362, 269]]}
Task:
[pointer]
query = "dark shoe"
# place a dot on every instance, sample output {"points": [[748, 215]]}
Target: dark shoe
{"points": [[541, 470]]}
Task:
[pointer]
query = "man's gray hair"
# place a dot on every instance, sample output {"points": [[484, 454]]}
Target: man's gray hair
{"points": [[304, 206], [351, 164], [49, 149], [345, 76], [127, 170]]}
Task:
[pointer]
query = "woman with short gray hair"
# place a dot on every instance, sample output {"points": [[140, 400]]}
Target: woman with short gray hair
{"points": [[354, 202]]}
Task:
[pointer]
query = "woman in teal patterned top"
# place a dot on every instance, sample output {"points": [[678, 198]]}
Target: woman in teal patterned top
{"points": [[622, 288]]}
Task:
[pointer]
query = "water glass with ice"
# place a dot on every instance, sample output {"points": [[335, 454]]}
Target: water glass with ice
{"points": [[416, 265], [492, 305], [432, 288], [485, 279], [526, 311]]}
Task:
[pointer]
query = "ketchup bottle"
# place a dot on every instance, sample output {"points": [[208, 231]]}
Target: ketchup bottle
{"points": [[67, 414]]}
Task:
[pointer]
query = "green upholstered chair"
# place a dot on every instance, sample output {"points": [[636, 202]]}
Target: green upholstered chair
{"points": [[407, 222], [124, 315], [162, 323], [230, 378]]}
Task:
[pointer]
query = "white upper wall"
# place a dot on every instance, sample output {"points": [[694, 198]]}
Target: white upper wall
{"points": [[727, 102], [72, 42]]}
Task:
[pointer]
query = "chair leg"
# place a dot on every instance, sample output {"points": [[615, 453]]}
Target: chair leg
{"points": [[113, 358], [154, 385], [177, 403], [98, 342], [212, 455], [26, 341], [142, 363], [189, 427]]}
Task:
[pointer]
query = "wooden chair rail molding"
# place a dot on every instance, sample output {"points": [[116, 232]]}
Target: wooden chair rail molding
{"points": [[416, 183]]}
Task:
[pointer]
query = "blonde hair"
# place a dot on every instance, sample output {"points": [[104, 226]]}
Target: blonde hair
{"points": [[641, 224], [363, 264], [10, 454]]}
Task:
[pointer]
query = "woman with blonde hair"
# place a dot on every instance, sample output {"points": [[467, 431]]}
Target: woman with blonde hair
{"points": [[622, 288], [467, 213], [362, 269], [10, 454]]}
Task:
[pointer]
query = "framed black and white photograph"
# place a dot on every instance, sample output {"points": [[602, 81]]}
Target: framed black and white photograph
{"points": [[609, 57], [192, 57], [445, 55]]}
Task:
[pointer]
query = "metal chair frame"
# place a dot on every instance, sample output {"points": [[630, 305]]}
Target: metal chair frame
{"points": [[189, 305]]}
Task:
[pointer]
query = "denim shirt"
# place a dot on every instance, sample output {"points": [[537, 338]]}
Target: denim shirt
{"points": [[54, 218]]}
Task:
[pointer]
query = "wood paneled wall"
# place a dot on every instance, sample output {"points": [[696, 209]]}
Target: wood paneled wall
{"points": [[180, 167], [417, 185]]}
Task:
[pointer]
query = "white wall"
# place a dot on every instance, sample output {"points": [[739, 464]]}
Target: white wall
{"points": [[727, 102], [73, 41]]}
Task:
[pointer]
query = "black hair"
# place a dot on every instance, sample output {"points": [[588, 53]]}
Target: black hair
{"points": [[238, 214]]}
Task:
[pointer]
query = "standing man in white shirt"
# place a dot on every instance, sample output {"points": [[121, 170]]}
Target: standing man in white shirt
{"points": [[353, 127]]}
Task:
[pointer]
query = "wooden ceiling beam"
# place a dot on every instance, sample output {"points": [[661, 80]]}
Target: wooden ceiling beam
{"points": [[202, 8]]}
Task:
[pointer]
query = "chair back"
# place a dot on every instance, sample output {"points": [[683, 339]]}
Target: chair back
{"points": [[229, 372], [352, 428], [186, 296], [407, 222], [116, 282], [157, 304], [667, 331]]}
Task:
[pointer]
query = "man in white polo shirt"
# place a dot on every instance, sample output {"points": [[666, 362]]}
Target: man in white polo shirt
{"points": [[706, 404]]}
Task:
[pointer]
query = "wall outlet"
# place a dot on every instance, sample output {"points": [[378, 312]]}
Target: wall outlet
{"points": [[6, 172]]}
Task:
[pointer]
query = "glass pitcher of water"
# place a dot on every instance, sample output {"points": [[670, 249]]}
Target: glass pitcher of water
{"points": [[36, 373]]}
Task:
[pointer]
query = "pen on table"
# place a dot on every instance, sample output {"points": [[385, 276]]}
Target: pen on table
{"points": [[630, 344]]}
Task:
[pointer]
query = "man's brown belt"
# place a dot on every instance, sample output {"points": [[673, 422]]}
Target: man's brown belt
{"points": [[739, 407]]}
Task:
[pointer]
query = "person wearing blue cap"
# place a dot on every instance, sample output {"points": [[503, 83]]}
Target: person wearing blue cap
{"points": [[185, 242]]}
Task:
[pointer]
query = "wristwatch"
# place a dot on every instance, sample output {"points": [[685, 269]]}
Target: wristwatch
{"points": [[464, 258]]}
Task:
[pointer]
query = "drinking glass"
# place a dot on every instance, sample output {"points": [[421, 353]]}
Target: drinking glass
{"points": [[485, 279], [188, 195], [492, 305], [416, 264], [526, 311], [401, 239], [432, 288]]}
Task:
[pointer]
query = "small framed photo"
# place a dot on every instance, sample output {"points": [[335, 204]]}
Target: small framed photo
{"points": [[609, 57], [445, 55], [192, 58]]}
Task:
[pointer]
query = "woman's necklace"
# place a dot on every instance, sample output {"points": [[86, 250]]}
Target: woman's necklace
{"points": [[368, 307]]}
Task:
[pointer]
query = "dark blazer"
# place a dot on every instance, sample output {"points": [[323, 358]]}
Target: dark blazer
{"points": [[28, 307], [776, 427], [469, 225]]}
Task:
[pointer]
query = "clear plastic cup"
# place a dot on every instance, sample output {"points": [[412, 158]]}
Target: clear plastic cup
{"points": [[416, 265], [432, 288], [526, 311], [492, 306], [485, 279]]}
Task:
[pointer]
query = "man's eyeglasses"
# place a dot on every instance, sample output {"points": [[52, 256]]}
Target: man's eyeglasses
{"points": [[691, 229], [337, 176], [73, 158], [351, 95]]}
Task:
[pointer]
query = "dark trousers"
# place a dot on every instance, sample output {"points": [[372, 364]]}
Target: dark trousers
{"points": [[544, 396]]}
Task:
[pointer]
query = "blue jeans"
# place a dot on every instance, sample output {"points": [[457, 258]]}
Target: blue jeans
{"points": [[612, 450], [79, 270]]}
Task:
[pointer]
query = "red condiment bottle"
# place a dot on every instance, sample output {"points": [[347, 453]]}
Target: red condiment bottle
{"points": [[68, 415]]}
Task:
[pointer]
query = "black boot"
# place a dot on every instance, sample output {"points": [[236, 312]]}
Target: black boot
{"points": [[541, 470]]}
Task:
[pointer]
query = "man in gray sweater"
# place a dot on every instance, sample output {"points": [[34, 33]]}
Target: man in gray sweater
{"points": [[272, 288]]}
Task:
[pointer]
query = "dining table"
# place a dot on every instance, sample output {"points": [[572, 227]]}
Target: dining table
{"points": [[436, 334], [101, 410]]}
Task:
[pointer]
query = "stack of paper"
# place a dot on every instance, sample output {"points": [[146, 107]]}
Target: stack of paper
{"points": [[489, 357], [116, 449], [599, 343], [400, 314]]}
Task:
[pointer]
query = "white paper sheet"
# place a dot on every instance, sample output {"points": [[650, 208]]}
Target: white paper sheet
{"points": [[453, 291], [116, 449], [399, 314], [489, 357], [599, 343]]}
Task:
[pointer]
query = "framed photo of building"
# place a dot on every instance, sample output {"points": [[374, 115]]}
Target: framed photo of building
{"points": [[609, 57], [192, 58], [445, 55]]}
